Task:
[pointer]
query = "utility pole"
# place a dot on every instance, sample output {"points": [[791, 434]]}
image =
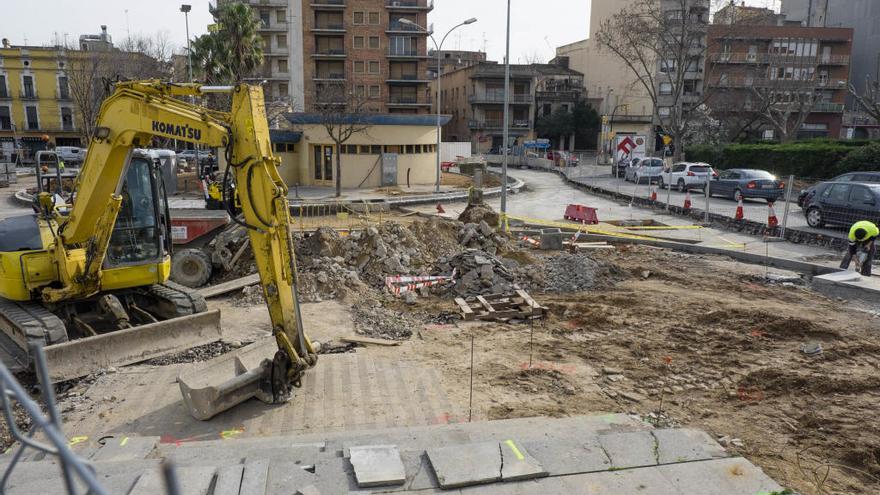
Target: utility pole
{"points": [[506, 123], [185, 9]]}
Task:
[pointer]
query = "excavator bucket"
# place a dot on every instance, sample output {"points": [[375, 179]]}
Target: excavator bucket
{"points": [[80, 357], [214, 386]]}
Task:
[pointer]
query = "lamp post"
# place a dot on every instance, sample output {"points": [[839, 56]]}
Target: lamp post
{"points": [[506, 139], [185, 8], [437, 47]]}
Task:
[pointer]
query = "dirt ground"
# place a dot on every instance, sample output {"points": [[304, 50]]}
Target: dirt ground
{"points": [[702, 342]]}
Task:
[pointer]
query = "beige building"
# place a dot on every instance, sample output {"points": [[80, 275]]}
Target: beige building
{"points": [[607, 78], [393, 150]]}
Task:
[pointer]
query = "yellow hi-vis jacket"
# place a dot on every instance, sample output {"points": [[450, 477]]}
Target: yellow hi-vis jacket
{"points": [[869, 227]]}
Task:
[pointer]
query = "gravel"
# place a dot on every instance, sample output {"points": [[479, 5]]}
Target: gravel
{"points": [[565, 272], [198, 354], [373, 320]]}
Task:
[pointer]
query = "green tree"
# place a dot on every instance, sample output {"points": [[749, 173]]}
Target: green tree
{"points": [[582, 121], [234, 50]]}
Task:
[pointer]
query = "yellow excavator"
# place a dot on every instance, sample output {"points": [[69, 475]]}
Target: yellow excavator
{"points": [[89, 280]]}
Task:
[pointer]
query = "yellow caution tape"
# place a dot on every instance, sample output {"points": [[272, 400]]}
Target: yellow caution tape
{"points": [[581, 227], [664, 227]]}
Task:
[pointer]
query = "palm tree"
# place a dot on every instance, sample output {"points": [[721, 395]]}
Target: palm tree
{"points": [[243, 46], [209, 59]]}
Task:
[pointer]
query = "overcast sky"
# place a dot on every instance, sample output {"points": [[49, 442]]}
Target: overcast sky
{"points": [[537, 27]]}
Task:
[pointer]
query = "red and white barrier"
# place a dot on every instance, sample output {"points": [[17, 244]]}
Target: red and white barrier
{"points": [[772, 221], [653, 193], [739, 210], [411, 283], [687, 200], [532, 242]]}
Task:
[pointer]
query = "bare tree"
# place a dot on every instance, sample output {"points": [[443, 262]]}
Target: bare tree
{"points": [[786, 106], [342, 113], [664, 49], [870, 99]]}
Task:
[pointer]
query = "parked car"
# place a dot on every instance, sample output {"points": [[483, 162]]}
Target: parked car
{"points": [[806, 195], [70, 154], [647, 168], [618, 169], [742, 183], [843, 203], [562, 158], [685, 176]]}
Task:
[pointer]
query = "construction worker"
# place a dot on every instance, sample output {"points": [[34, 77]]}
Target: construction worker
{"points": [[861, 240]]}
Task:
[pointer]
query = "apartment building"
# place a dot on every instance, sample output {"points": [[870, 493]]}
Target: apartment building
{"points": [[35, 99], [474, 97], [450, 60], [688, 93], [745, 14], [787, 63], [319, 49]]}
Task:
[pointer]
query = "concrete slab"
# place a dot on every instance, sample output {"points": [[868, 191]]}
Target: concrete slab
{"points": [[842, 276], [255, 476], [685, 445], [626, 482], [377, 465], [308, 490], [468, 464], [228, 480], [570, 455], [730, 476], [517, 464], [285, 477], [629, 450], [193, 481], [123, 448]]}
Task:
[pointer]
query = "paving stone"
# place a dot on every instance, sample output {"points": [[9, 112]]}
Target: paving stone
{"points": [[467, 464], [286, 476], [193, 480], [377, 465], [569, 455], [123, 448], [255, 476], [627, 450], [731, 476], [685, 444], [627, 482], [228, 480], [517, 464], [308, 490]]}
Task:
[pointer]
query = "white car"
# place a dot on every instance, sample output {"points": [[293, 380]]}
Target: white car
{"points": [[71, 154], [685, 176]]}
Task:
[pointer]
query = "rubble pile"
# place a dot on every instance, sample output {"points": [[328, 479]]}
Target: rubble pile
{"points": [[479, 212], [374, 320], [477, 272], [327, 278], [567, 272], [481, 236], [251, 295]]}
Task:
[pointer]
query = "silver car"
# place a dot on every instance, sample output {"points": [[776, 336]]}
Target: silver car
{"points": [[648, 170]]}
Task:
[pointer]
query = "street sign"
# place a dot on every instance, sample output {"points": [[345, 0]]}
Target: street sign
{"points": [[629, 147]]}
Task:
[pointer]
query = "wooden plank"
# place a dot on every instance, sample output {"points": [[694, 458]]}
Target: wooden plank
{"points": [[226, 287], [354, 339], [466, 312], [527, 298], [488, 307]]}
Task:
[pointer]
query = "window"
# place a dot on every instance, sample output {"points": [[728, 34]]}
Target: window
{"points": [[664, 111], [63, 88], [359, 66], [364, 149], [861, 195], [66, 119], [374, 42], [282, 90], [679, 168], [668, 65], [374, 91], [374, 67], [28, 87], [265, 17], [375, 149], [837, 193], [665, 88], [5, 118], [281, 41], [282, 65], [358, 17], [349, 149], [281, 15], [283, 147], [374, 18], [33, 122], [3, 92], [358, 41], [690, 87], [360, 91]]}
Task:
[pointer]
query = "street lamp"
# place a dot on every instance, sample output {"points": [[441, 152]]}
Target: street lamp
{"points": [[437, 47], [185, 8]]}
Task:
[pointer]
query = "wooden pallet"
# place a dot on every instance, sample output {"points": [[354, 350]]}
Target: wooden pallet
{"points": [[500, 307]]}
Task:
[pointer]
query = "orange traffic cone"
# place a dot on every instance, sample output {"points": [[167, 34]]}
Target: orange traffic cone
{"points": [[739, 210], [687, 200], [653, 194], [440, 208], [772, 221]]}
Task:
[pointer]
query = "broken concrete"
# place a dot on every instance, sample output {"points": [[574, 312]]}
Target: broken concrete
{"points": [[465, 465], [377, 465], [517, 464]]}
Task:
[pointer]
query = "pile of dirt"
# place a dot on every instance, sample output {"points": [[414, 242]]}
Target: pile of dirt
{"points": [[480, 212], [373, 320], [482, 236], [476, 272], [251, 295], [22, 421], [565, 272]]}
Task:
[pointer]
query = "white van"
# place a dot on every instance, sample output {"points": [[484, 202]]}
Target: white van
{"points": [[70, 154]]}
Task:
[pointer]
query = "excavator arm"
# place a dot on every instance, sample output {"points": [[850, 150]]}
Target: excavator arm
{"points": [[129, 118]]}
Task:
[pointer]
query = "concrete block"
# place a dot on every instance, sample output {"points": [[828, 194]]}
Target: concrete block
{"points": [[308, 490], [228, 480], [377, 465], [467, 464], [628, 450], [286, 476], [730, 476], [517, 464], [563, 456], [124, 448], [685, 445], [194, 480], [255, 476], [551, 239]]}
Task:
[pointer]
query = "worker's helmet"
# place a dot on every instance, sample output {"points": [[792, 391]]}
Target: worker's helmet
{"points": [[861, 234]]}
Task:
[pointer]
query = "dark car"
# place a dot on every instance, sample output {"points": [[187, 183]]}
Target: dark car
{"points": [[618, 169], [806, 195], [744, 183], [843, 203]]}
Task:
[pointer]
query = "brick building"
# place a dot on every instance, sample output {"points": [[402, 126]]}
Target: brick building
{"points": [[315, 48], [748, 63]]}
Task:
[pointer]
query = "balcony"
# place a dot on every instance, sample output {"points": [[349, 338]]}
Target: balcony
{"points": [[269, 3], [397, 27], [406, 53], [326, 4], [833, 60], [63, 95], [515, 124], [828, 107], [763, 82], [498, 99], [272, 27], [407, 101], [409, 5], [633, 119], [566, 95], [329, 76], [329, 27], [329, 53], [777, 58], [28, 95], [4, 95], [406, 79]]}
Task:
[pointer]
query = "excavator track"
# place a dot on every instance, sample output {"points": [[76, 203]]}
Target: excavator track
{"points": [[172, 300], [24, 323]]}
